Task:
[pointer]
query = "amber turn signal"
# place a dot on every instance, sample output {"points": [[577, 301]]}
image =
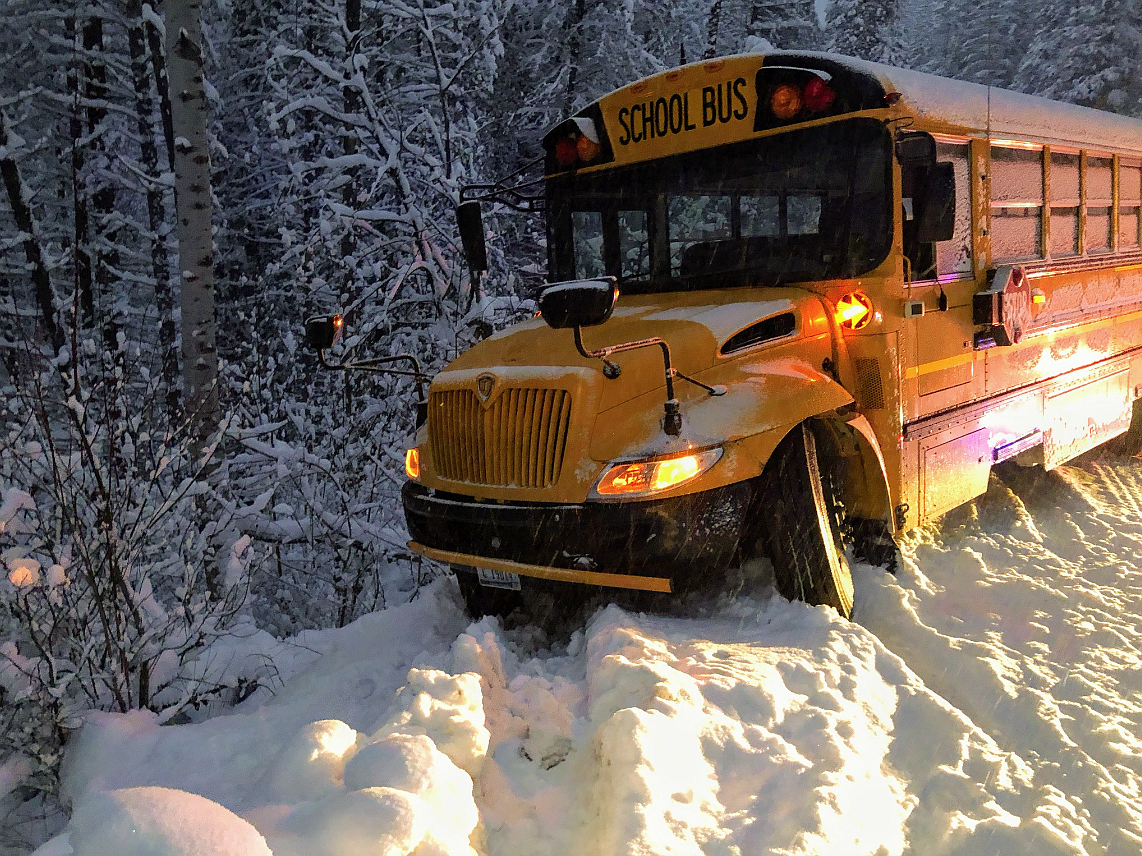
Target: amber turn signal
{"points": [[785, 102], [854, 310], [642, 477], [412, 464]]}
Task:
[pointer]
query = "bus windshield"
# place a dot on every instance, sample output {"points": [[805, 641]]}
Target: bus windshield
{"points": [[806, 205]]}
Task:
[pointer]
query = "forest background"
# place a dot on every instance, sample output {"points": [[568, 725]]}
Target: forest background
{"points": [[175, 469]]}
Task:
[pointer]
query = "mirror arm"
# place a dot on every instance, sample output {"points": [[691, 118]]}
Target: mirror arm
{"points": [[613, 370], [672, 424], [377, 365]]}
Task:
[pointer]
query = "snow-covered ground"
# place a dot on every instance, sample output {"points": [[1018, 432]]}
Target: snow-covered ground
{"points": [[986, 700]]}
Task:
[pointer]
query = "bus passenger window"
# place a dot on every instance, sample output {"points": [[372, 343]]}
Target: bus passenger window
{"points": [[1064, 205], [953, 257], [697, 219], [1129, 187], [587, 227], [1016, 204], [634, 246], [1099, 201], [760, 216], [804, 214]]}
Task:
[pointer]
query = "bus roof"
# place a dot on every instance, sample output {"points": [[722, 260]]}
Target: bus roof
{"points": [[714, 102], [977, 110]]}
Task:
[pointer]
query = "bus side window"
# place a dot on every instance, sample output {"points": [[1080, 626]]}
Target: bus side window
{"points": [[1129, 210], [1065, 201], [587, 230], [921, 256], [1016, 204], [1099, 203], [634, 245], [953, 258]]}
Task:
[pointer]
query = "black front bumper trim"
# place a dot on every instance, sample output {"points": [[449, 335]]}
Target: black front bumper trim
{"points": [[684, 538]]}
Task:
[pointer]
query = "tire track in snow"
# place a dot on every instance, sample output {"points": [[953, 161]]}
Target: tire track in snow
{"points": [[1022, 610]]}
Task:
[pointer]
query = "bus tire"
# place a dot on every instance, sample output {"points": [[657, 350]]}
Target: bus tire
{"points": [[873, 543], [803, 524], [1129, 444], [482, 600]]}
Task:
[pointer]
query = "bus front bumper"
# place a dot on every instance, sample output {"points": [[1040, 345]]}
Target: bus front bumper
{"points": [[653, 545]]}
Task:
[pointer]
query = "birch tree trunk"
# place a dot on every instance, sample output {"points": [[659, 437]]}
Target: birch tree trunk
{"points": [[192, 201]]}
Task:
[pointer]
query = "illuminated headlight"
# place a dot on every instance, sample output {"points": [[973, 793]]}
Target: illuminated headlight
{"points": [[634, 478], [412, 464]]}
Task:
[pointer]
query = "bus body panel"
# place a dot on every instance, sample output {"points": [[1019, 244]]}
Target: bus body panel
{"points": [[922, 401]]}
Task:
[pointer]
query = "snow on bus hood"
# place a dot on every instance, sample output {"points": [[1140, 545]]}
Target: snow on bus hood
{"points": [[694, 325]]}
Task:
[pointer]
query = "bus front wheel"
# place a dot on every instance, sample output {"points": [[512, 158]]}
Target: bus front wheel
{"points": [[1129, 444], [802, 522]]}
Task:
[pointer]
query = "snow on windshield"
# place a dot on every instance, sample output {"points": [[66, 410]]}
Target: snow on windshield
{"points": [[984, 701]]}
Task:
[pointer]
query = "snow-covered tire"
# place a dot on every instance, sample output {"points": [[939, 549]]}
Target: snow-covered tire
{"points": [[483, 600], [802, 524], [1130, 443], [873, 543]]}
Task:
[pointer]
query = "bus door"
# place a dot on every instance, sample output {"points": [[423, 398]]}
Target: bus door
{"points": [[940, 370], [945, 456]]}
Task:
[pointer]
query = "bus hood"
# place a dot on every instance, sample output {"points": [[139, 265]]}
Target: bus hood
{"points": [[695, 325]]}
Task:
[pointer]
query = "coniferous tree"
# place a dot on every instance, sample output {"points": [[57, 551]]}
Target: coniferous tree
{"points": [[860, 28]]}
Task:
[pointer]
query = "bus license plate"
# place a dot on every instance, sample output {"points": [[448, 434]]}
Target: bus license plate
{"points": [[498, 579]]}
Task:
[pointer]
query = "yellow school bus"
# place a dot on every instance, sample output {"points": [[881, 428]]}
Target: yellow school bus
{"points": [[801, 303]]}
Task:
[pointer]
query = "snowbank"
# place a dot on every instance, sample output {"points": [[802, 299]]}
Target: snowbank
{"points": [[986, 700]]}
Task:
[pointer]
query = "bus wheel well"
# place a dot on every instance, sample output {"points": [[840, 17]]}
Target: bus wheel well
{"points": [[854, 484]]}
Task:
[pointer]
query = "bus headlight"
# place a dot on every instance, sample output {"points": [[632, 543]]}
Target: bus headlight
{"points": [[633, 478], [412, 463]]}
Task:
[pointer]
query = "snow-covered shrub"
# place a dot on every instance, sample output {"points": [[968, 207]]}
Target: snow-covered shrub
{"points": [[118, 562]]}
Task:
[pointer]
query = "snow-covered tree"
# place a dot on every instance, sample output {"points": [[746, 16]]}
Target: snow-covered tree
{"points": [[860, 28], [194, 221]]}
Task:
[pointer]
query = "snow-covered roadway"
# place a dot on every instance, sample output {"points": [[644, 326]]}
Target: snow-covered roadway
{"points": [[986, 700]]}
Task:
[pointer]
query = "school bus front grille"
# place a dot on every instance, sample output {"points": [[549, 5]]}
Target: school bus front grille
{"points": [[518, 440]]}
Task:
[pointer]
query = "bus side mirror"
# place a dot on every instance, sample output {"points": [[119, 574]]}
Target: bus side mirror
{"points": [[472, 235], [936, 211], [580, 303], [323, 331]]}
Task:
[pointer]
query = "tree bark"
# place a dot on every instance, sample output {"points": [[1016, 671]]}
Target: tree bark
{"points": [[574, 24], [162, 84], [41, 281], [712, 24], [160, 269], [81, 238], [194, 214], [103, 195], [352, 105]]}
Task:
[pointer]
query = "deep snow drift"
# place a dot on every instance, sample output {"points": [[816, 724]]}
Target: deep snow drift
{"points": [[987, 700]]}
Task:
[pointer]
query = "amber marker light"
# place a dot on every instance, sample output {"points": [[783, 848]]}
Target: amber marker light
{"points": [[587, 149], [854, 310], [642, 477], [412, 464], [785, 102]]}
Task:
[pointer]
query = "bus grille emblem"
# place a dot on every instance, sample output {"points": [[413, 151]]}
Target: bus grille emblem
{"points": [[484, 385]]}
